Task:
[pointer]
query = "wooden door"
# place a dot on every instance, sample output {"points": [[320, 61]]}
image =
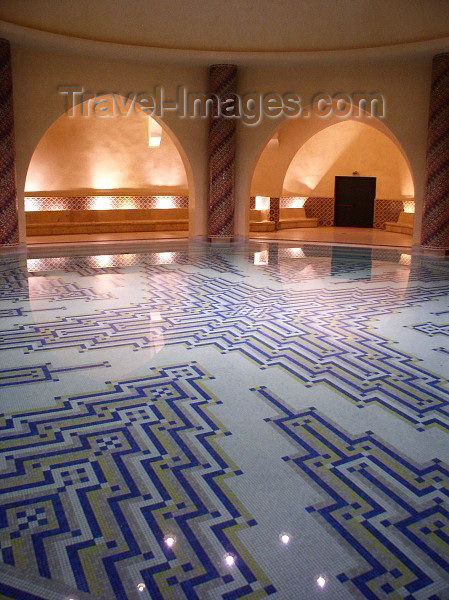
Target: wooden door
{"points": [[354, 201]]}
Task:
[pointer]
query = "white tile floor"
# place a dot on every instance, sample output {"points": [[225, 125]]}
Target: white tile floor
{"points": [[226, 396], [339, 235], [333, 235]]}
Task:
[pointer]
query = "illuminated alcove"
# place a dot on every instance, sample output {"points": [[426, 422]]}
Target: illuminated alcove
{"points": [[301, 160], [343, 149], [121, 152]]}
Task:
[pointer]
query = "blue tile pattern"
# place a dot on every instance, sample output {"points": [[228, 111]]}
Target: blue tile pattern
{"points": [[388, 509], [103, 477], [224, 396]]}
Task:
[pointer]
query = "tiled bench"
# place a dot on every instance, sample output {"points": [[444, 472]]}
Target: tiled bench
{"points": [[404, 224], [295, 217], [259, 221], [55, 222]]}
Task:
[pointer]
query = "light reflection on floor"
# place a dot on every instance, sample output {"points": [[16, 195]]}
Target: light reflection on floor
{"points": [[334, 235], [198, 421]]}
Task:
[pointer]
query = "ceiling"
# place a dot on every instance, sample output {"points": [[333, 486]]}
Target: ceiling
{"points": [[242, 26]]}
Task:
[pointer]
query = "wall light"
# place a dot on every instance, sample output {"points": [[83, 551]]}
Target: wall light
{"points": [[164, 202], [164, 258], [31, 204], [101, 203], [106, 260], [262, 202], [409, 206], [296, 202]]}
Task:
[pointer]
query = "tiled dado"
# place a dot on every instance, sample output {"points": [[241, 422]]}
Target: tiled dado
{"points": [[323, 209], [388, 210], [103, 202]]}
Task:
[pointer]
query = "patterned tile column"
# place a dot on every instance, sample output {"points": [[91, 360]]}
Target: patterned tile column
{"points": [[221, 154], [435, 225], [274, 211], [9, 226]]}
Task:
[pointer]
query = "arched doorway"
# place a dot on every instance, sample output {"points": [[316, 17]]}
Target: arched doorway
{"points": [[107, 168], [298, 169]]}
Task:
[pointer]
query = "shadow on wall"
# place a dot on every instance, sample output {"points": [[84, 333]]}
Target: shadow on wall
{"points": [[301, 161], [96, 149]]}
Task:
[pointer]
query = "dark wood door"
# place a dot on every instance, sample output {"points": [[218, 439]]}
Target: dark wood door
{"points": [[354, 201]]}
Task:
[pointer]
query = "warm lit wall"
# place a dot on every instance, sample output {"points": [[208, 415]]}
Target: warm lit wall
{"points": [[341, 149], [404, 81], [94, 152], [305, 155], [37, 73]]}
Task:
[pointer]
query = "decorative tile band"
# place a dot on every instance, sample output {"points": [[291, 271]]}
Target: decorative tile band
{"points": [[322, 209], [103, 202], [435, 229], [292, 201], [386, 210], [9, 227], [275, 211]]}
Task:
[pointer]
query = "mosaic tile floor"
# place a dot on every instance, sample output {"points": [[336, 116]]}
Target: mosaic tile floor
{"points": [[225, 422]]}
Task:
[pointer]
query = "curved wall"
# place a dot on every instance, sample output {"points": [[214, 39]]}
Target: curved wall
{"points": [[309, 25], [90, 152], [38, 71], [341, 149]]}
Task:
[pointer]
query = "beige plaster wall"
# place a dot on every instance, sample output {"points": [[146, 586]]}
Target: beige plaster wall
{"points": [[265, 25], [37, 73], [339, 149], [104, 151], [404, 82]]}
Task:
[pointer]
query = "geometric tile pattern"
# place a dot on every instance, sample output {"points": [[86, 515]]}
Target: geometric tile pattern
{"points": [[435, 226], [9, 228], [204, 395], [384, 507], [221, 153], [95, 265], [39, 373], [17, 284], [310, 339], [91, 488], [13, 281], [274, 211], [432, 329], [322, 209], [386, 210], [114, 202]]}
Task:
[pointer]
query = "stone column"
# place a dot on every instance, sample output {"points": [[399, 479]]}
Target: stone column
{"points": [[9, 222], [435, 223], [221, 153]]}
